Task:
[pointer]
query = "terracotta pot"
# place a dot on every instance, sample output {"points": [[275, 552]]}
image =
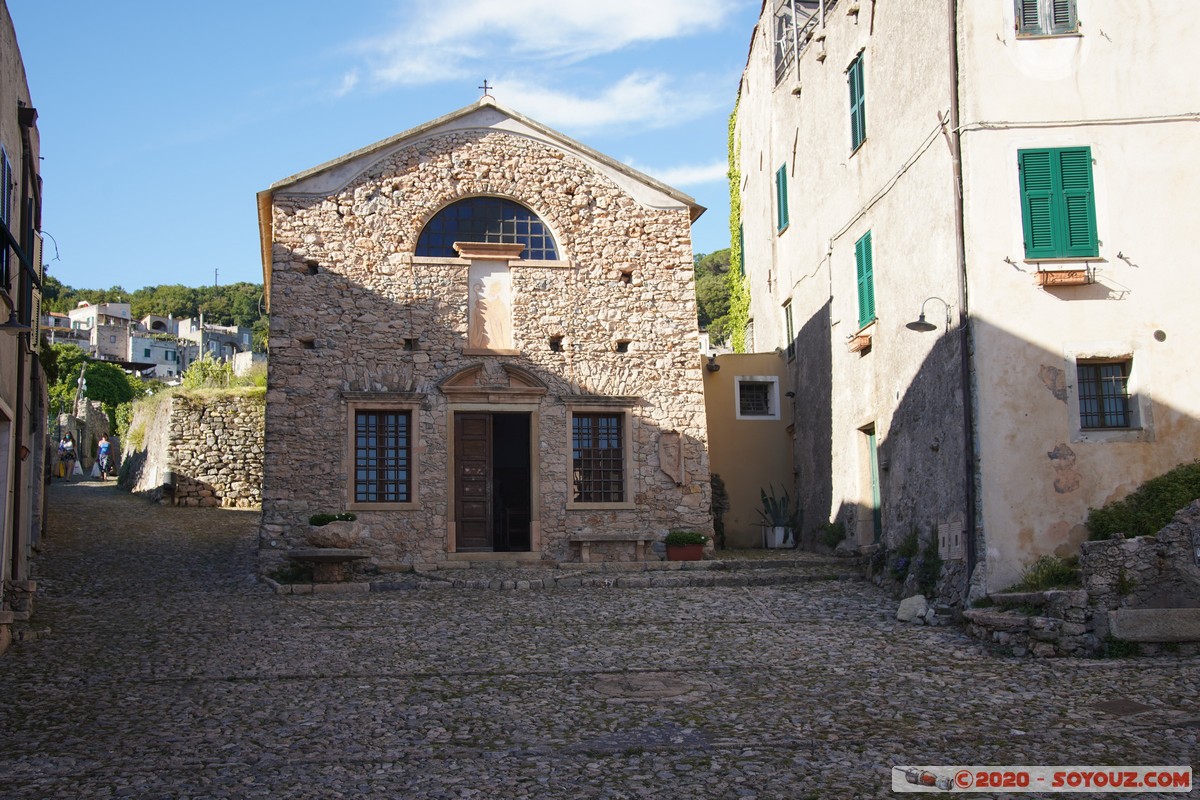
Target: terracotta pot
{"points": [[685, 552]]}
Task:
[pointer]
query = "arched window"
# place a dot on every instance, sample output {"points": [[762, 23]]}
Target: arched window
{"points": [[487, 219]]}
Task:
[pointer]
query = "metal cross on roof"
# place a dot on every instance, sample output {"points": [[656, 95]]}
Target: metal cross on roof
{"points": [[487, 90]]}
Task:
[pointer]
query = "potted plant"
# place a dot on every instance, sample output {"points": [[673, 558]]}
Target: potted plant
{"points": [[779, 519], [685, 545]]}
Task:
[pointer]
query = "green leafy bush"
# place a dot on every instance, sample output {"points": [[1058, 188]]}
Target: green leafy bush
{"points": [[832, 534], [318, 520], [1146, 510], [1048, 572], [683, 538], [207, 372]]}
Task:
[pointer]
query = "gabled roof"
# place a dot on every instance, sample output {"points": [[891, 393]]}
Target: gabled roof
{"points": [[332, 176]]}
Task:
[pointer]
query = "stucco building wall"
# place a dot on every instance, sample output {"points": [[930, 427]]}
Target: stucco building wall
{"points": [[1116, 88], [898, 186]]}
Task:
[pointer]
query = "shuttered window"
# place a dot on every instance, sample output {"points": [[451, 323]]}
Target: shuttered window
{"points": [[858, 103], [864, 259], [781, 198], [1045, 17], [1058, 210], [6, 187]]}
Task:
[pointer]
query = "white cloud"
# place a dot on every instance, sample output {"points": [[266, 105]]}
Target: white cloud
{"points": [[436, 42], [642, 99], [349, 81], [689, 174]]}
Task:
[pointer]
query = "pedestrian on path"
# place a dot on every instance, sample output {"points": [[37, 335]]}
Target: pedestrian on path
{"points": [[67, 455], [104, 456]]}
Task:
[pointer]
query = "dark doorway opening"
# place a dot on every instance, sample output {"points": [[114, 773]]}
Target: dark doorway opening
{"points": [[492, 482]]}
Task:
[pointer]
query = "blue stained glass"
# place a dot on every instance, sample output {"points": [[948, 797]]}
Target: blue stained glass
{"points": [[486, 219]]}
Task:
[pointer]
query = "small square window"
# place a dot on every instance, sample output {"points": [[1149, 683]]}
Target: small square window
{"points": [[1104, 394], [757, 397]]}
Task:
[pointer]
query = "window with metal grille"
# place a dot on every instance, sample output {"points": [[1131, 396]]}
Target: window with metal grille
{"points": [[382, 453], [1104, 394], [598, 457], [754, 399], [486, 219]]}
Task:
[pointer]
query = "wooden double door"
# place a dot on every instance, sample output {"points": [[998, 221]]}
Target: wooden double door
{"points": [[492, 484]]}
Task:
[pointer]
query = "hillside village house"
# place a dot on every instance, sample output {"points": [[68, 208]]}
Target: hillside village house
{"points": [[983, 369], [22, 383], [483, 340]]}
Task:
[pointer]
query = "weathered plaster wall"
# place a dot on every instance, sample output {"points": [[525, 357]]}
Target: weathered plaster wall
{"points": [[347, 291], [898, 185], [749, 454], [1113, 88]]}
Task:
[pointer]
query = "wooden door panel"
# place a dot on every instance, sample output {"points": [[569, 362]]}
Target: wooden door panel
{"points": [[473, 480]]}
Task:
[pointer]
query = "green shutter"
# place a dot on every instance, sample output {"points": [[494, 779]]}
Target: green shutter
{"points": [[1028, 18], [1062, 16], [1037, 202], [866, 279], [1058, 210], [781, 199], [1079, 208], [858, 104]]}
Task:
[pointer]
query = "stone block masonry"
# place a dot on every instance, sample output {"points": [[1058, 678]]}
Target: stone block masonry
{"points": [[206, 447]]}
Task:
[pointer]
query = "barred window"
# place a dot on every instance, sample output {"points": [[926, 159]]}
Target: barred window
{"points": [[486, 219], [754, 399], [382, 454], [1104, 394], [598, 457]]}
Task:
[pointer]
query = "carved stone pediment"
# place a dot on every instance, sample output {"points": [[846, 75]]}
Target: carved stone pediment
{"points": [[491, 382]]}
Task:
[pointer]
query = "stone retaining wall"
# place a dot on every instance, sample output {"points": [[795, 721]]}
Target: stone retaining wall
{"points": [[1130, 577], [198, 449]]}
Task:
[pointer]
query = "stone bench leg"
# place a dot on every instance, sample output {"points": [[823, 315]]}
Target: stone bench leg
{"points": [[638, 547], [585, 551]]}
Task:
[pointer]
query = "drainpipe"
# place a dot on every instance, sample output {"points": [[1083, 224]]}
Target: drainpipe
{"points": [[970, 446]]}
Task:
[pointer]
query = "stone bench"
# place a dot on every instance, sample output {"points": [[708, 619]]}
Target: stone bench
{"points": [[586, 540], [329, 563]]}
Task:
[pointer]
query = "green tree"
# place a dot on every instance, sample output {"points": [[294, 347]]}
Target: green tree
{"points": [[712, 293], [68, 360]]}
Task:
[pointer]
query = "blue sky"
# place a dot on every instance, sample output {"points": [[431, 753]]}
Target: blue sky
{"points": [[160, 121]]}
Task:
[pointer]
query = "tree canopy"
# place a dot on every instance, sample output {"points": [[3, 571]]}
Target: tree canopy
{"points": [[232, 304], [712, 293]]}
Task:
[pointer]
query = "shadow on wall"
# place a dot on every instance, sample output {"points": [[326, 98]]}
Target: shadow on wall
{"points": [[1040, 470], [325, 358]]}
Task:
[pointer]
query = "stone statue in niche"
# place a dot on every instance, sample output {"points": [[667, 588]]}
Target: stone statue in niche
{"points": [[670, 456], [489, 321]]}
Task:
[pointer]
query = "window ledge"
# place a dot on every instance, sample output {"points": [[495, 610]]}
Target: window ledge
{"points": [[413, 506], [601, 507], [1062, 263], [1063, 35]]}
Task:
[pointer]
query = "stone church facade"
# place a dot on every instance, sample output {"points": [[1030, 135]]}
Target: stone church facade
{"points": [[483, 340]]}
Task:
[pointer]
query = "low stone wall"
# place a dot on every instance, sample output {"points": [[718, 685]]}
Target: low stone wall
{"points": [[1157, 571], [1058, 622], [1147, 587], [203, 449]]}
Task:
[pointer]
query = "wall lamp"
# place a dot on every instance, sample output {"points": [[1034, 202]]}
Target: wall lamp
{"points": [[922, 325], [712, 365], [13, 325]]}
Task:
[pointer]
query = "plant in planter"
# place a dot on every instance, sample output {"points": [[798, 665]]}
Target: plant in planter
{"points": [[780, 519], [333, 530], [685, 545]]}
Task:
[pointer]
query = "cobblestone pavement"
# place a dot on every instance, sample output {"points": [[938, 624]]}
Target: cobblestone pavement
{"points": [[165, 670]]}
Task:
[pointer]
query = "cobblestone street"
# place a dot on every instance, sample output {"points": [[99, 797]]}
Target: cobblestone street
{"points": [[164, 669]]}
